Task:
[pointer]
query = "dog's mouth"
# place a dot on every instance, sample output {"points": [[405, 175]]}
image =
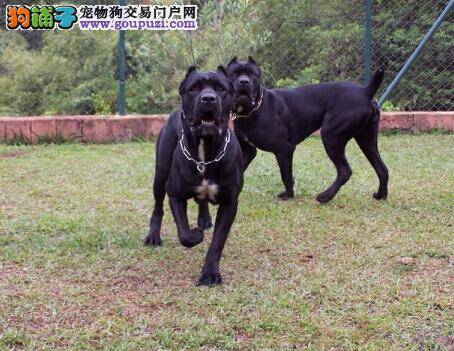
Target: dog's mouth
{"points": [[207, 119], [244, 92], [244, 102], [208, 123]]}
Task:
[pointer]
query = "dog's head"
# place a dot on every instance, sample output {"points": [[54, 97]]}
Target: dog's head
{"points": [[246, 79], [206, 101]]}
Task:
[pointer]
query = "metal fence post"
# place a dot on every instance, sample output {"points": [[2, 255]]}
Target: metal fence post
{"points": [[367, 41], [417, 51], [122, 69]]}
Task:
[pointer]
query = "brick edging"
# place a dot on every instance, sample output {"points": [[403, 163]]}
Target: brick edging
{"points": [[105, 129], [98, 129], [417, 121]]}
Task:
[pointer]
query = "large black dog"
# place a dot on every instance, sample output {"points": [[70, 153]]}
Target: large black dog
{"points": [[198, 157], [276, 120]]}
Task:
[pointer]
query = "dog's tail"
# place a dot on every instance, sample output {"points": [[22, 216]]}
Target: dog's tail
{"points": [[375, 116], [374, 83]]}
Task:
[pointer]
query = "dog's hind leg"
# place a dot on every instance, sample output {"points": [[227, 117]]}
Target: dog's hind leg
{"points": [[335, 148], [204, 218], [367, 141], [285, 162]]}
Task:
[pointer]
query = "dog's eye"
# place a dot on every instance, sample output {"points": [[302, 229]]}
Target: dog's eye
{"points": [[221, 89], [194, 89]]}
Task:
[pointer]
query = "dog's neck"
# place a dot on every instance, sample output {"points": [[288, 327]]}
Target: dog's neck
{"points": [[259, 94], [204, 148]]}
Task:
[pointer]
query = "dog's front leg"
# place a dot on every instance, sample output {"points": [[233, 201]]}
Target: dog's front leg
{"points": [[249, 152], [225, 216], [188, 237], [285, 162]]}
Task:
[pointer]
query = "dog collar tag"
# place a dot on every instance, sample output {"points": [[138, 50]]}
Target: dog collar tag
{"points": [[201, 167]]}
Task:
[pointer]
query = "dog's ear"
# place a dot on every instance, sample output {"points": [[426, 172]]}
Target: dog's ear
{"points": [[232, 61], [191, 69], [251, 60], [222, 70]]}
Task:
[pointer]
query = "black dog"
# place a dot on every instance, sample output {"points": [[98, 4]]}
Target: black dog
{"points": [[197, 156], [276, 120]]}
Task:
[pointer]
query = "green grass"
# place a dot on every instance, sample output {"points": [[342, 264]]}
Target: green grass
{"points": [[355, 274]]}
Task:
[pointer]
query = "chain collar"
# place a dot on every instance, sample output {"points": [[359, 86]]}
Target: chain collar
{"points": [[235, 116], [201, 165]]}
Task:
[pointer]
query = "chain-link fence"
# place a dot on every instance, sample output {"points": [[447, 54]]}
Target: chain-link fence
{"points": [[428, 84], [295, 42], [328, 44]]}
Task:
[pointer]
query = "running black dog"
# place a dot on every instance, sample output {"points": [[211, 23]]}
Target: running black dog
{"points": [[276, 120], [197, 156]]}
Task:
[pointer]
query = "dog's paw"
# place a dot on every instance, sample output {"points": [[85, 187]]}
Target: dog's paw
{"points": [[209, 279], [153, 239], [192, 238], [284, 196], [380, 196], [324, 197], [204, 222]]}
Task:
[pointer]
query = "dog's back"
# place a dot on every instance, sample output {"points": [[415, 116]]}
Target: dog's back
{"points": [[311, 104]]}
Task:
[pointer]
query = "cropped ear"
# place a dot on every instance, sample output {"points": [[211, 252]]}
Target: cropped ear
{"points": [[222, 70], [191, 69], [251, 60], [233, 60]]}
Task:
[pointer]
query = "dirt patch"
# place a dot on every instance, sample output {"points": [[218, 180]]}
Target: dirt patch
{"points": [[66, 300], [12, 154]]}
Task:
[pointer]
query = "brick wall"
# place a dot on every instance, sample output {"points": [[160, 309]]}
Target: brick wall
{"points": [[105, 129]]}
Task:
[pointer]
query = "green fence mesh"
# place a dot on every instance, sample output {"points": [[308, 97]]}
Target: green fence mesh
{"points": [[296, 42]]}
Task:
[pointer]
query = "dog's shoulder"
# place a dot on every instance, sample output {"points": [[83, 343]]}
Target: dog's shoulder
{"points": [[233, 152], [173, 126], [174, 120]]}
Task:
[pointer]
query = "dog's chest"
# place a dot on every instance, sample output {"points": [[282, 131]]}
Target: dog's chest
{"points": [[207, 190]]}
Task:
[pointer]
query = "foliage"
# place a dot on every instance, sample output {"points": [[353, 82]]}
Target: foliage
{"points": [[295, 42], [388, 106]]}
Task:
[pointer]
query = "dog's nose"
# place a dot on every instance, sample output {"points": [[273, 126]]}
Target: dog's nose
{"points": [[208, 98], [245, 81]]}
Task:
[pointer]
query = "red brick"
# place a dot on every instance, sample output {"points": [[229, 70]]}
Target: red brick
{"points": [[396, 121], [141, 127], [119, 128], [96, 129], [69, 127], [433, 120], [124, 128], [157, 123], [2, 130], [42, 127], [18, 127]]}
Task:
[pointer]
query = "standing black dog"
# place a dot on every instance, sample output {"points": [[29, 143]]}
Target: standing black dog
{"points": [[197, 156], [276, 120]]}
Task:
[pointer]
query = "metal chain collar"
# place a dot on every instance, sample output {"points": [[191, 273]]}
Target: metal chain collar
{"points": [[201, 165]]}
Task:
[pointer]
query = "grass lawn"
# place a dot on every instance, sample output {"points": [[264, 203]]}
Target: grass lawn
{"points": [[355, 274]]}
